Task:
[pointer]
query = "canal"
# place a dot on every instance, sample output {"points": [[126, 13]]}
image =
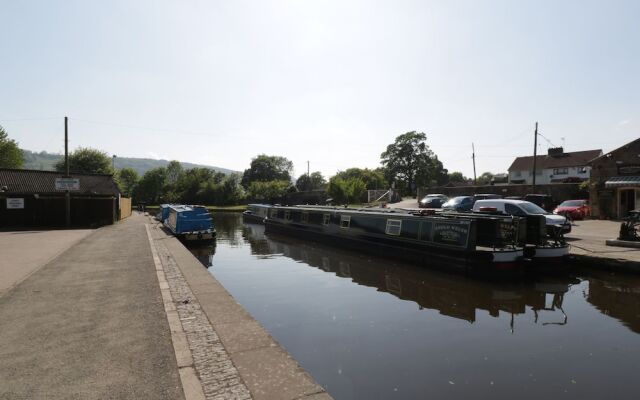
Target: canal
{"points": [[377, 329]]}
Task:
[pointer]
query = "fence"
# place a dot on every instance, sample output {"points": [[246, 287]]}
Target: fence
{"points": [[125, 207]]}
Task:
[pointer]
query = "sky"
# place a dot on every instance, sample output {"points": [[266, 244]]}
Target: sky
{"points": [[329, 82]]}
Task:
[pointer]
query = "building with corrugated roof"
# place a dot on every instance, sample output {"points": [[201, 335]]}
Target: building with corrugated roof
{"points": [[31, 198]]}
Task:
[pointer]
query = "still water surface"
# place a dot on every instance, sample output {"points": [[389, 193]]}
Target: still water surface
{"points": [[377, 329]]}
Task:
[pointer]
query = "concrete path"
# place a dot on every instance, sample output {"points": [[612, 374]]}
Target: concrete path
{"points": [[24, 252], [90, 324]]}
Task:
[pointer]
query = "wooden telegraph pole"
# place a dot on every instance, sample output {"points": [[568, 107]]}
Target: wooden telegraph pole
{"points": [[535, 153], [473, 157], [67, 195]]}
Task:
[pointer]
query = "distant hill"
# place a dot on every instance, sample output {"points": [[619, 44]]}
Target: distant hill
{"points": [[46, 161]]}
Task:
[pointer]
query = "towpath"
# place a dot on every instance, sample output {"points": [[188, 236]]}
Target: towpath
{"points": [[126, 312]]}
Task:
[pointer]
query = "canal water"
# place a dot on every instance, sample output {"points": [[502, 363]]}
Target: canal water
{"points": [[378, 329]]}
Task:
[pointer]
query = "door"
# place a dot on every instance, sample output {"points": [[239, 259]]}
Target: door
{"points": [[627, 201]]}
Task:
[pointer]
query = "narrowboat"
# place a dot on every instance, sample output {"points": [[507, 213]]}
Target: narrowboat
{"points": [[190, 223], [489, 244], [256, 213], [163, 213], [534, 234]]}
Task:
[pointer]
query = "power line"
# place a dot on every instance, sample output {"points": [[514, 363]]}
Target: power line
{"points": [[28, 119]]}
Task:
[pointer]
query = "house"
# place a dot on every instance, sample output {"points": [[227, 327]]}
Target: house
{"points": [[555, 167], [32, 198], [614, 188]]}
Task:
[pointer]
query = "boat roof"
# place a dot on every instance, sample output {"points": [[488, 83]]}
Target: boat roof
{"points": [[183, 207]]}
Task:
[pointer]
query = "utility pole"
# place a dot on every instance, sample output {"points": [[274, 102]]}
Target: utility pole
{"points": [[67, 195], [308, 169], [113, 164], [473, 156], [535, 153]]}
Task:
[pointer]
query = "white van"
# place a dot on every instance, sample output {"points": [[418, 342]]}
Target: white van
{"points": [[524, 208]]}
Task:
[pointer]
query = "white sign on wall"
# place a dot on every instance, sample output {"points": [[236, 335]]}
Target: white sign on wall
{"points": [[67, 184], [15, 203]]}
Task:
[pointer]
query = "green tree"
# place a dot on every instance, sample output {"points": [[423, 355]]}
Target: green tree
{"points": [[373, 178], [457, 177], [266, 168], [174, 172], [85, 160], [271, 191], [127, 179], [484, 179], [150, 187], [10, 154], [315, 181], [197, 185], [411, 163], [346, 191]]}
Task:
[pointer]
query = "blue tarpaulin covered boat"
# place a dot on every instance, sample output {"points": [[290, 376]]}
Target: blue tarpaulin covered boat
{"points": [[190, 222]]}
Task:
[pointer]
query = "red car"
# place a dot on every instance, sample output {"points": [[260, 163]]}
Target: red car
{"points": [[574, 209]]}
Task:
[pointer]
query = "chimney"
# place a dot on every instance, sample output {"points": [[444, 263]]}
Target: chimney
{"points": [[555, 152]]}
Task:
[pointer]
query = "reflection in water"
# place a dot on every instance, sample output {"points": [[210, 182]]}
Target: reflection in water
{"points": [[617, 297], [451, 295], [367, 328]]}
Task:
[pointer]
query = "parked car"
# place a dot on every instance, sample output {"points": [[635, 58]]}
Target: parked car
{"points": [[459, 203], [432, 201], [574, 209], [541, 200], [524, 208], [486, 196]]}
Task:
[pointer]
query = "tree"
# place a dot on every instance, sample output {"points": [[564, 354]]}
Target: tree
{"points": [[127, 179], [10, 154], [484, 179], [410, 162], [373, 178], [266, 168], [315, 181], [271, 191], [346, 191], [174, 172], [150, 187], [457, 177], [87, 161]]}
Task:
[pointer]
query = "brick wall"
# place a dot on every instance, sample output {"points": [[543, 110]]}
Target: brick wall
{"points": [[559, 191]]}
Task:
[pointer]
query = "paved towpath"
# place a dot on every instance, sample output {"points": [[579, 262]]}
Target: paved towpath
{"points": [[90, 324], [587, 240]]}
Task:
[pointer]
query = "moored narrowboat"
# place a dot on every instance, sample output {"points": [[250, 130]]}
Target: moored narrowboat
{"points": [[431, 240], [190, 223], [163, 213], [256, 213]]}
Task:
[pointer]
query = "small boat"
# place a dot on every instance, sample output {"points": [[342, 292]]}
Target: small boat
{"points": [[256, 213], [490, 243], [163, 213], [190, 223]]}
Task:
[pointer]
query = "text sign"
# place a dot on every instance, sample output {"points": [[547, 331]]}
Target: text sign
{"points": [[15, 204], [451, 233], [67, 184]]}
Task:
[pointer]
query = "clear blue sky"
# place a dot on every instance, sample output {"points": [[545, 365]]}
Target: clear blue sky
{"points": [[333, 82]]}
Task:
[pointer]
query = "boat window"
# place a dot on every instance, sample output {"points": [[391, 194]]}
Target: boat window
{"points": [[325, 219], [345, 221], [393, 227], [287, 215], [304, 217], [274, 213]]}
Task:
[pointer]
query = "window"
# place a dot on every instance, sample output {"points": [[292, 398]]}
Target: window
{"points": [[326, 218], [518, 173], [287, 215], [582, 170], [345, 221], [560, 171], [274, 213], [513, 210], [304, 217], [393, 227]]}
